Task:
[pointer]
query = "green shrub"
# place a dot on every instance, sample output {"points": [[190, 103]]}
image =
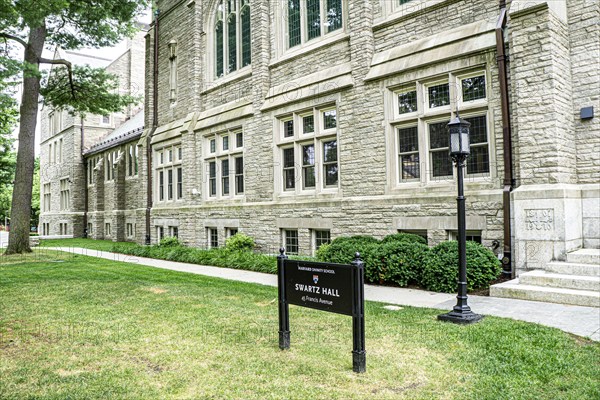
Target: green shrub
{"points": [[169, 241], [343, 249], [440, 272], [239, 242], [404, 237], [214, 257], [399, 262]]}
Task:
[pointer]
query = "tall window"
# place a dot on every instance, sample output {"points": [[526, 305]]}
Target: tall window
{"points": [[320, 237], [132, 159], [169, 173], [91, 164], [224, 161], [421, 112], [291, 242], [109, 159], [212, 235], [311, 19], [55, 122], [232, 35], [308, 151], [47, 197], [64, 194]]}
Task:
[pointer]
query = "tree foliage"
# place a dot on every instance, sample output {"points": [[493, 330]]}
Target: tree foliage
{"points": [[69, 24], [93, 91]]}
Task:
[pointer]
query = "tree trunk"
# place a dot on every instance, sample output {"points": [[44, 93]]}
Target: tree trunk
{"points": [[18, 240]]}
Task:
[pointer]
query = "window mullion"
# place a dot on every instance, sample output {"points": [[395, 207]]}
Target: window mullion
{"points": [[239, 34], [303, 32]]}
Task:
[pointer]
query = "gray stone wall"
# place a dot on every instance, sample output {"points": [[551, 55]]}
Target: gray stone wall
{"points": [[551, 74], [540, 70], [584, 42]]}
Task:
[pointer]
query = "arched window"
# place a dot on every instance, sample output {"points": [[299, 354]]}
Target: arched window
{"points": [[232, 36]]}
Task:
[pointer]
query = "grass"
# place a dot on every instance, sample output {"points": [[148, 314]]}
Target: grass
{"points": [[92, 244], [80, 327]]}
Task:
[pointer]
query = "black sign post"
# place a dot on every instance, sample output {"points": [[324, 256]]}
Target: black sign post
{"points": [[337, 288]]}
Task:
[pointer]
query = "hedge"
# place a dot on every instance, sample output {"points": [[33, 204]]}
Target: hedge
{"points": [[440, 272], [221, 257], [400, 259]]}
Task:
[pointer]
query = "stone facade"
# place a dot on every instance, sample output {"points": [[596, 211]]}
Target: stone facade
{"points": [[350, 82], [66, 139]]}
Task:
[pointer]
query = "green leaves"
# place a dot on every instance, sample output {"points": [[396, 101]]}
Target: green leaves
{"points": [[93, 90]]}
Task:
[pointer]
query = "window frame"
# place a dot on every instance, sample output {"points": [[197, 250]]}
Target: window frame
{"points": [[314, 238], [424, 116], [221, 15], [215, 185], [298, 141], [304, 41], [168, 182], [65, 194], [285, 242], [212, 237]]}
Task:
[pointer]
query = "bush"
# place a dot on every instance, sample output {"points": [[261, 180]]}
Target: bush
{"points": [[440, 272], [169, 241], [404, 237], [239, 242], [215, 257], [342, 249], [399, 262]]}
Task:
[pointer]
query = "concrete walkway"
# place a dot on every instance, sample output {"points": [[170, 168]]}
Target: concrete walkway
{"points": [[581, 321]]}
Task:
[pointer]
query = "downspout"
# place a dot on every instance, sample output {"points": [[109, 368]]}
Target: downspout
{"points": [[85, 185], [508, 183], [154, 126]]}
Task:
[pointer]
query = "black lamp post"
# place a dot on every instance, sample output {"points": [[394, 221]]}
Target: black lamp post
{"points": [[459, 151]]}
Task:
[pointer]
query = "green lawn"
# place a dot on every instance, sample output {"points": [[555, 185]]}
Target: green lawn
{"points": [[104, 245], [80, 327]]}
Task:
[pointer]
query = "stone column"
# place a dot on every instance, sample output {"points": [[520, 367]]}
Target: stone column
{"points": [[547, 203]]}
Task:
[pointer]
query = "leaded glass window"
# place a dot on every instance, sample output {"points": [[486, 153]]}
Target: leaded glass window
{"points": [[407, 102], [330, 163], [289, 169], [311, 19], [473, 88], [232, 35], [308, 166], [294, 30], [408, 152], [478, 161], [441, 165], [334, 15], [439, 95]]}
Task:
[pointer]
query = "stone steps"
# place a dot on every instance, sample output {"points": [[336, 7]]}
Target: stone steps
{"points": [[584, 256], [576, 281], [516, 290], [570, 268], [565, 281]]}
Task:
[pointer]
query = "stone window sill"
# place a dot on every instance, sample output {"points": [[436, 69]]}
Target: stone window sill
{"points": [[309, 47], [229, 78]]}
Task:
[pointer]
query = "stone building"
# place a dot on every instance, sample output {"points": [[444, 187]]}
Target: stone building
{"points": [[68, 143], [298, 121]]}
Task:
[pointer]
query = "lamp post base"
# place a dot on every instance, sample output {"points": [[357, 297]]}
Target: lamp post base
{"points": [[461, 317]]}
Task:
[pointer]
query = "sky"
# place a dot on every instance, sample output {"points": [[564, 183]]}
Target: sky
{"points": [[106, 52]]}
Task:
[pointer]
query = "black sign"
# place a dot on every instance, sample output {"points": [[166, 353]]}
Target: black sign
{"points": [[335, 288], [327, 287]]}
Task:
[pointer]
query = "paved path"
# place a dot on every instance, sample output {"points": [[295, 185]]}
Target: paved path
{"points": [[582, 321]]}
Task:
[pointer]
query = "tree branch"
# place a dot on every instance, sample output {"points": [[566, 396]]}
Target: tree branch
{"points": [[15, 38], [60, 61]]}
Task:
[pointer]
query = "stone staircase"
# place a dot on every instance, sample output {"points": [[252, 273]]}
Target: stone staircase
{"points": [[575, 281]]}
